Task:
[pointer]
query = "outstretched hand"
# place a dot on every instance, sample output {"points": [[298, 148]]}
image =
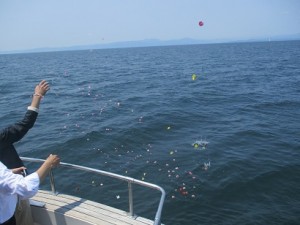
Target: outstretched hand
{"points": [[53, 160], [42, 88]]}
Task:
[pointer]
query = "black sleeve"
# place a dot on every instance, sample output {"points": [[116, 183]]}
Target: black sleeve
{"points": [[17, 131]]}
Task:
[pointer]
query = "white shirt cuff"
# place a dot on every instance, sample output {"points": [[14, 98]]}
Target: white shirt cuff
{"points": [[33, 109]]}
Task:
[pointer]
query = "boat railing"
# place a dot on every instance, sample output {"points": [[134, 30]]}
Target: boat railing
{"points": [[129, 180]]}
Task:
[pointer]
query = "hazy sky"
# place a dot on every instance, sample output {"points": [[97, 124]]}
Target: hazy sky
{"points": [[26, 24]]}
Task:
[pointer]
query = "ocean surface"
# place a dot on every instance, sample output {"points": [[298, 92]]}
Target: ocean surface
{"points": [[146, 112]]}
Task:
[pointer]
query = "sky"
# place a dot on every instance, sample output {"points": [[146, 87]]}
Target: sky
{"points": [[29, 24]]}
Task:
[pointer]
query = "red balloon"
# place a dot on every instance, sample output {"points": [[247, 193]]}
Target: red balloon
{"points": [[201, 23]]}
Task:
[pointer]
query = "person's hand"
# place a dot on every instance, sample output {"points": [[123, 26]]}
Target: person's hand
{"points": [[18, 170], [52, 161], [42, 88]]}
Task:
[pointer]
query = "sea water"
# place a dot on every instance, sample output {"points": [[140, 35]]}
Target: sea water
{"points": [[146, 112]]}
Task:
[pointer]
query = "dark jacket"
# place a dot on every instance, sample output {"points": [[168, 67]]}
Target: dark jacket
{"points": [[8, 136]]}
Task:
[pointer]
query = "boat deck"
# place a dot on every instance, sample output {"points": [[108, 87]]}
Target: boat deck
{"points": [[69, 210]]}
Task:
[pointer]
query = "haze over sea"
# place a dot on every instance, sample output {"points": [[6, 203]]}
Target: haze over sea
{"points": [[138, 112]]}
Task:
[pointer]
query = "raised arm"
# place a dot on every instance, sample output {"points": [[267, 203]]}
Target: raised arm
{"points": [[16, 131], [39, 92]]}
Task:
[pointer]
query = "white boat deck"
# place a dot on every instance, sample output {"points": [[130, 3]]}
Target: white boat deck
{"points": [[69, 210]]}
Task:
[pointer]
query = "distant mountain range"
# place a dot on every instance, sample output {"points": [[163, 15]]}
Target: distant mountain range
{"points": [[155, 42]]}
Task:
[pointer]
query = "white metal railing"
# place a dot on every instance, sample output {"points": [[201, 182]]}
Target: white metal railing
{"points": [[157, 220]]}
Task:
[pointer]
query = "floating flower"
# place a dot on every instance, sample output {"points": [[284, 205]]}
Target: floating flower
{"points": [[194, 77], [201, 144]]}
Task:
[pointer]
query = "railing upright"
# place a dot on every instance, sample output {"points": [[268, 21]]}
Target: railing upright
{"points": [[130, 198], [52, 183]]}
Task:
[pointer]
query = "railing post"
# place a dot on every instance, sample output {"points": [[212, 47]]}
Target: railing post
{"points": [[130, 198], [52, 183]]}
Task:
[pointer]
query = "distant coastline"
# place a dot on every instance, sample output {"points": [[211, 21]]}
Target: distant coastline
{"points": [[153, 43]]}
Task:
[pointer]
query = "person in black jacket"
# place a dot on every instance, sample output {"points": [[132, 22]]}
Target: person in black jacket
{"points": [[14, 133]]}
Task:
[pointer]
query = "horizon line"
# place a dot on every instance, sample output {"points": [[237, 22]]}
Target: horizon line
{"points": [[151, 43]]}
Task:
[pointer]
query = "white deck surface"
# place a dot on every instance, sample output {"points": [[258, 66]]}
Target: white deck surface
{"points": [[69, 210]]}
